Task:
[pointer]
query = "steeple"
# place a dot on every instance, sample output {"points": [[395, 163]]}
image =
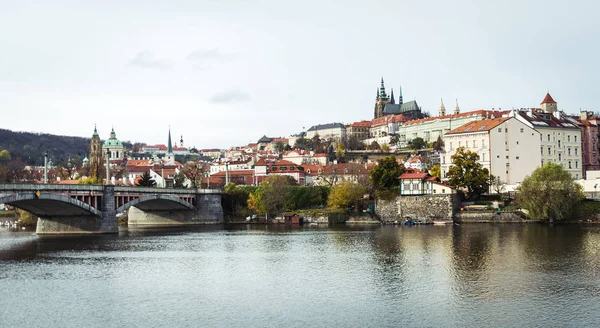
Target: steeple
{"points": [[456, 108], [382, 93], [392, 101], [95, 132], [169, 144], [181, 141], [113, 135], [400, 99], [442, 108]]}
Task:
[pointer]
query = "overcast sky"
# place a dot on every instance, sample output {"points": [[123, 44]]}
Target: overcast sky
{"points": [[225, 72]]}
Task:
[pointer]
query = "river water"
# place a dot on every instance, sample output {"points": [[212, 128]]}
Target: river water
{"points": [[477, 275]]}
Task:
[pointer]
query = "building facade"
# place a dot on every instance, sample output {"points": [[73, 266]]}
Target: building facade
{"points": [[113, 147], [507, 147], [335, 131]]}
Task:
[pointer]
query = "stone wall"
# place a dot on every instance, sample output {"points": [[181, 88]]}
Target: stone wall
{"points": [[439, 207], [482, 217], [208, 211]]}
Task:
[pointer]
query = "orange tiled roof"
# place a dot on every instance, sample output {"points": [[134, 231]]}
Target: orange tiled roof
{"points": [[548, 99], [478, 126], [361, 124]]}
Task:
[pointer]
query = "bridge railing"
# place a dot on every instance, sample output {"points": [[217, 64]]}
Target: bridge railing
{"points": [[31, 186], [149, 190]]}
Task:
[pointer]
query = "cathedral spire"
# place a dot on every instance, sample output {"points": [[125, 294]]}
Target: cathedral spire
{"points": [[400, 99], [382, 93], [169, 144], [95, 131], [113, 135], [392, 100]]}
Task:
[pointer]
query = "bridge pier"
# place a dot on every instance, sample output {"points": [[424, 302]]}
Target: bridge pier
{"points": [[208, 211], [65, 225]]}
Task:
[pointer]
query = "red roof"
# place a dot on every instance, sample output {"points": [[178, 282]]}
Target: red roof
{"points": [[261, 162], [233, 173], [548, 99], [361, 124], [284, 162], [413, 174], [479, 126]]}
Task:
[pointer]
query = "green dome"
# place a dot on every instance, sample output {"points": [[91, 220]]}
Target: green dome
{"points": [[113, 143]]}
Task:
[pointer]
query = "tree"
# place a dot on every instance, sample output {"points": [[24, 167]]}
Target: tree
{"points": [[385, 147], [466, 172], [146, 180], [340, 153], [385, 175], [438, 144], [179, 181], [346, 196], [279, 147], [374, 146], [498, 186], [193, 172], [272, 194], [355, 143], [303, 143], [436, 171], [394, 140], [417, 143], [317, 144], [550, 193], [4, 155]]}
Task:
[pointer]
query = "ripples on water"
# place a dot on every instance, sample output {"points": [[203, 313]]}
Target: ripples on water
{"points": [[276, 276]]}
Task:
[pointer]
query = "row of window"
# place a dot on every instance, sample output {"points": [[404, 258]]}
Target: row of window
{"points": [[576, 151], [562, 164], [554, 138], [473, 142]]}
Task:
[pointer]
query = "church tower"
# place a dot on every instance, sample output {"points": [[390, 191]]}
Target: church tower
{"points": [[456, 108], [381, 101], [170, 157], [96, 157], [400, 100], [442, 108], [548, 105]]}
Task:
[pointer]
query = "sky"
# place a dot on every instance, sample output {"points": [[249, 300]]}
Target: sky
{"points": [[226, 72]]}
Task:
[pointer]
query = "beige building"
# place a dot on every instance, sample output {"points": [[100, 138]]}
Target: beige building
{"points": [[507, 147], [561, 139]]}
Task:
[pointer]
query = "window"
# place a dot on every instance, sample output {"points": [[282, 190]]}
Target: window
{"points": [[517, 157], [451, 146], [576, 164], [575, 137], [569, 151], [506, 130], [506, 156], [548, 137], [569, 138], [274, 168], [459, 144], [467, 143], [500, 130], [558, 143], [292, 168], [542, 150], [482, 142], [474, 143], [483, 157], [521, 130], [559, 157], [576, 151], [549, 151], [542, 162], [443, 191], [570, 164]]}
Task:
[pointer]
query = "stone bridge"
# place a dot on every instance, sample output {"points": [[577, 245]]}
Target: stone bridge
{"points": [[66, 209]]}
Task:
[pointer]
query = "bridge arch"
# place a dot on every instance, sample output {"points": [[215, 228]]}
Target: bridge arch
{"points": [[158, 202], [48, 205]]}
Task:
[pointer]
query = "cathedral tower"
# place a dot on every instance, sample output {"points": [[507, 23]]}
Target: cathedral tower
{"points": [[96, 157], [456, 108], [381, 101]]}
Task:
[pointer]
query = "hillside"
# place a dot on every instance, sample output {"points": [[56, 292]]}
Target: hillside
{"points": [[30, 147]]}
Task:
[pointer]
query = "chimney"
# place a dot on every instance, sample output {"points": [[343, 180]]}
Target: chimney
{"points": [[583, 115]]}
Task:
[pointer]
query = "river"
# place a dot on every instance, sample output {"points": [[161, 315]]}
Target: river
{"points": [[478, 275]]}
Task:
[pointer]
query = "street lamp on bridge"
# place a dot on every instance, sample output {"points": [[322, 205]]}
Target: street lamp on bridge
{"points": [[46, 167]]}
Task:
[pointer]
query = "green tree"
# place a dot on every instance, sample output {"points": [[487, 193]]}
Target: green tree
{"points": [[317, 144], [146, 180], [279, 147], [346, 196], [436, 171], [466, 172], [303, 143], [271, 196], [354, 143], [417, 143], [385, 147], [385, 175], [438, 144], [394, 140], [550, 193]]}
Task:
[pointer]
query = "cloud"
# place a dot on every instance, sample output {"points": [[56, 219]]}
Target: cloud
{"points": [[203, 56], [230, 96], [145, 59]]}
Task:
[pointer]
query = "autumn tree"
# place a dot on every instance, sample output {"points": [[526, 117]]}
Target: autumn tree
{"points": [[303, 143], [193, 173], [272, 194], [346, 196], [550, 193], [354, 143], [436, 171], [468, 173], [374, 146]]}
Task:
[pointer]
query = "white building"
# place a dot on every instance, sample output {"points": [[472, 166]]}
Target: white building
{"points": [[335, 131], [561, 139], [507, 147]]}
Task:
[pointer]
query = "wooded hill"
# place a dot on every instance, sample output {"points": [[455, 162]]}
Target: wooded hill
{"points": [[30, 147]]}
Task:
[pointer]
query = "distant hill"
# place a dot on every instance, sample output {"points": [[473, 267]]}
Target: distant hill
{"points": [[30, 147]]}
